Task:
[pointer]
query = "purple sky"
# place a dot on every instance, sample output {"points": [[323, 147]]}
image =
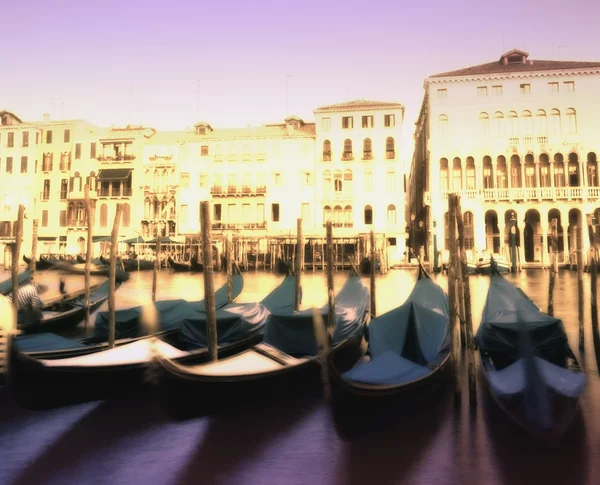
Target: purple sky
{"points": [[125, 62]]}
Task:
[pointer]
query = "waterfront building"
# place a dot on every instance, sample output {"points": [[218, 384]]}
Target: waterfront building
{"points": [[360, 175], [517, 139]]}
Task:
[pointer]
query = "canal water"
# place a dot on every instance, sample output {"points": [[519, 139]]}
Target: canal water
{"points": [[293, 442]]}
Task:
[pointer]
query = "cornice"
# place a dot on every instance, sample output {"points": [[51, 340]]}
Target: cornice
{"points": [[504, 76]]}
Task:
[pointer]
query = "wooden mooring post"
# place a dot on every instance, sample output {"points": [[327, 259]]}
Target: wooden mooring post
{"points": [[34, 244], [209, 283], [299, 261], [553, 255], [580, 307], [112, 274], [16, 255], [452, 297], [90, 247], [372, 288], [229, 253], [594, 293], [156, 265], [330, 270]]}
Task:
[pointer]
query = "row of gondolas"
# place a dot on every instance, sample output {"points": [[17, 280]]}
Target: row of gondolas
{"points": [[398, 360]]}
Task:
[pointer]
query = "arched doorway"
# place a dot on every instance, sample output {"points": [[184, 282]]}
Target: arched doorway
{"points": [[492, 233], [555, 214], [575, 220], [532, 236], [509, 217]]}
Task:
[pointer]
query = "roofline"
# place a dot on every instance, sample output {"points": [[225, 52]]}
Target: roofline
{"points": [[360, 108], [573, 71]]}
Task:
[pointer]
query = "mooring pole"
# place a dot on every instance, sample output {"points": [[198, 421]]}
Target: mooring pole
{"points": [[112, 274], [372, 275], [299, 261], [330, 288], [90, 247], [209, 283]]}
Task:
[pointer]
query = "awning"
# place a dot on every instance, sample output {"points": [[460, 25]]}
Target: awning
{"points": [[133, 240], [100, 238], [114, 174], [164, 240]]}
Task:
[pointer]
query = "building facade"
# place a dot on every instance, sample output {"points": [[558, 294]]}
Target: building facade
{"points": [[517, 139]]}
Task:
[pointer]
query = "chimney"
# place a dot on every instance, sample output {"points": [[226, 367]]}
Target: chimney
{"points": [[46, 118]]}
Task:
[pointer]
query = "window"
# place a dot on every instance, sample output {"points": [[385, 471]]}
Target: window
{"points": [[275, 212], [67, 136], [46, 192], [541, 122], [326, 214], [513, 124], [389, 121], [326, 151], [553, 87], [77, 151], [484, 124], [347, 155], [391, 214], [23, 164], [348, 181], [183, 215], [49, 137], [261, 183], [496, 90], [527, 123], [444, 174], [217, 212], [247, 155], [326, 124], [347, 122], [232, 183], [368, 215], [442, 93], [337, 181], [482, 91], [390, 180], [488, 175], [126, 215], [555, 122], [9, 163], [571, 121], [368, 178], [92, 150], [390, 150], [44, 218], [260, 212], [277, 179], [367, 149], [63, 189], [218, 155], [204, 151], [443, 126], [203, 180], [569, 86], [499, 123], [367, 121], [185, 180], [25, 139], [103, 215], [10, 140], [246, 182], [525, 88]]}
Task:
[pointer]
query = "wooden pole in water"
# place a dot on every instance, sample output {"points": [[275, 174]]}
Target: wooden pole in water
{"points": [[299, 260], [209, 283], [229, 243], [580, 307], [330, 269], [466, 296], [34, 243], [15, 262], [455, 342], [156, 265], [372, 275], [594, 298], [90, 247], [553, 245], [112, 274]]}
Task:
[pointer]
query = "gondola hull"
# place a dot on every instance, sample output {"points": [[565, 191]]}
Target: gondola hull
{"points": [[184, 395], [44, 264], [134, 264], [178, 267]]}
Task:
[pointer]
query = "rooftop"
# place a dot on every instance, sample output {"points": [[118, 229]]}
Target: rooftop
{"points": [[360, 104]]}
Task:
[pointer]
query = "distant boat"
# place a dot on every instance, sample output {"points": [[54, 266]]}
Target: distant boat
{"points": [[484, 265]]}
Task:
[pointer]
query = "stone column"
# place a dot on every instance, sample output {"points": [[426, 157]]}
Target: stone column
{"points": [[564, 221]]}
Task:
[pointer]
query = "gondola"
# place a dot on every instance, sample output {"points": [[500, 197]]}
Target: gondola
{"points": [[196, 266], [285, 362], [45, 264], [57, 381], [178, 267], [407, 362], [484, 264], [137, 265], [23, 278], [530, 370], [80, 259], [95, 270], [66, 314]]}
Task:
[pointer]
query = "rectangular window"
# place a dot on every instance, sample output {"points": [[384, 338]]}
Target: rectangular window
{"points": [[496, 90], [482, 91], [367, 121], [470, 178], [231, 213], [185, 180], [217, 212], [46, 193], [10, 140], [9, 161], [275, 212], [389, 121], [246, 217], [326, 124], [204, 151], [347, 122], [183, 216], [45, 218], [553, 87], [442, 93], [203, 180], [525, 88], [77, 151], [64, 184], [63, 218], [49, 137], [25, 140], [569, 86], [23, 164], [92, 150], [67, 137]]}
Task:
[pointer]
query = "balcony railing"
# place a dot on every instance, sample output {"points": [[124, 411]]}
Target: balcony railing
{"points": [[347, 156], [115, 158], [115, 192], [240, 225], [367, 156], [77, 223], [390, 154], [326, 156], [235, 190], [216, 190], [527, 193]]}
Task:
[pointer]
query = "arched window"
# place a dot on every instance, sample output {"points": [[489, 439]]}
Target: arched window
{"points": [[592, 170], [444, 174], [484, 124], [527, 122], [326, 213], [348, 220], [488, 173], [559, 170], [103, 215], [348, 181], [499, 122], [80, 213], [347, 150], [126, 215], [367, 149], [172, 207], [390, 149], [470, 173], [326, 151], [390, 180], [326, 183], [337, 215], [443, 126], [513, 124], [368, 215], [544, 166], [571, 121], [456, 174], [468, 219], [555, 122], [337, 181], [391, 215], [70, 213], [574, 180], [542, 122]]}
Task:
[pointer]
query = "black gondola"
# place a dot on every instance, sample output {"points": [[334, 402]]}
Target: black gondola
{"points": [[178, 267], [285, 362], [282, 267], [531, 372], [196, 266], [45, 263], [95, 270], [56, 381], [80, 258], [406, 364]]}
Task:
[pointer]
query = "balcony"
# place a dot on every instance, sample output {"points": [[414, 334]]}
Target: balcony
{"points": [[115, 192], [115, 158], [527, 193], [238, 191], [76, 223], [340, 225], [326, 157], [390, 155], [215, 190], [367, 156], [347, 157], [239, 226]]}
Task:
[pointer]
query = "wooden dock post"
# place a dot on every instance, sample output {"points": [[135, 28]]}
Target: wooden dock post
{"points": [[466, 297], [34, 243], [156, 265], [372, 276], [594, 293], [452, 266], [112, 274], [90, 247], [553, 256], [209, 283], [299, 259], [229, 253], [580, 307], [15, 261], [330, 269]]}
